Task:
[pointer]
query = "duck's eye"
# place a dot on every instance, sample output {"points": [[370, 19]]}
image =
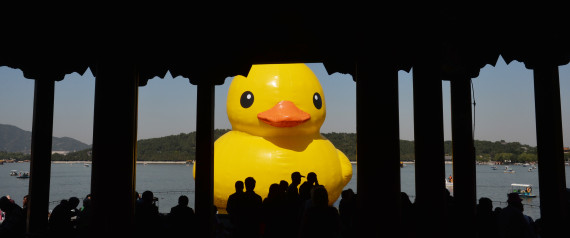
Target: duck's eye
{"points": [[246, 99], [317, 101]]}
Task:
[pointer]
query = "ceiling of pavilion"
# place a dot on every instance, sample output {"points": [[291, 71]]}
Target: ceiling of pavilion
{"points": [[208, 45]]}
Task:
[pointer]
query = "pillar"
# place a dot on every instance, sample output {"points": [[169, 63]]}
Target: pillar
{"points": [[378, 149], [551, 171], [204, 200], [464, 177], [114, 149], [429, 149], [40, 165]]}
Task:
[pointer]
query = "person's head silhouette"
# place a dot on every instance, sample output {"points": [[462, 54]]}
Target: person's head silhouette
{"points": [[320, 196], [239, 186], [312, 177], [296, 177], [183, 200], [249, 184], [485, 204], [515, 200], [283, 185], [147, 197], [73, 202], [273, 190], [347, 194]]}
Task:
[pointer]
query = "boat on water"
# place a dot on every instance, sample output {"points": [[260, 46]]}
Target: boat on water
{"points": [[524, 190], [23, 175], [13, 172], [449, 182], [494, 167], [509, 170]]}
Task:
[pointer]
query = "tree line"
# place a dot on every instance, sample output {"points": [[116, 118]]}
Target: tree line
{"points": [[182, 147]]}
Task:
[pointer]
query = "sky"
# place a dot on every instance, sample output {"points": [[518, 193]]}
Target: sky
{"points": [[167, 106]]}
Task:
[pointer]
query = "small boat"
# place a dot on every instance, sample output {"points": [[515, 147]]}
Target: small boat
{"points": [[449, 182], [509, 170], [524, 190], [13, 172], [24, 175], [86, 165], [494, 167]]}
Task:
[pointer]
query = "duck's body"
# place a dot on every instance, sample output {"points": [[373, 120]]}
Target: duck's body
{"points": [[239, 155], [276, 114]]}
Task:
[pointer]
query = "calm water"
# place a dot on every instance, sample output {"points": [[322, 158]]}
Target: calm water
{"points": [[168, 181]]}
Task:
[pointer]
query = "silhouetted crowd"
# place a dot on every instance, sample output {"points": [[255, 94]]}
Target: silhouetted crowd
{"points": [[289, 210]]}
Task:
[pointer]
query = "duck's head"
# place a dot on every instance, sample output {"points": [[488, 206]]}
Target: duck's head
{"points": [[277, 100]]}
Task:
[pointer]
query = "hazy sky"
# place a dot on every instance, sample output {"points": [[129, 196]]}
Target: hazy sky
{"points": [[504, 111]]}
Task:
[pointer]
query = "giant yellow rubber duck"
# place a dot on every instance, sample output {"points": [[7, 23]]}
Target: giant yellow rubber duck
{"points": [[276, 114]]}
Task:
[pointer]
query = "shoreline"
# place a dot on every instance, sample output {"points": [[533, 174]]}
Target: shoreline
{"points": [[138, 162]]}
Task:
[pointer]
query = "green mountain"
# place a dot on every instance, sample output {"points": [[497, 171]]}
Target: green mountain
{"points": [[182, 147], [16, 140]]}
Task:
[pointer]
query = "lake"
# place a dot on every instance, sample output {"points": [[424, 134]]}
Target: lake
{"points": [[169, 181]]}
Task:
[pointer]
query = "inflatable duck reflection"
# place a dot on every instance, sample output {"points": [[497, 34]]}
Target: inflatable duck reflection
{"points": [[276, 115]]}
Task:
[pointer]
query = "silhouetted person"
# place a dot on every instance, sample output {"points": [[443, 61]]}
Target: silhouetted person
{"points": [[451, 213], [249, 223], [73, 202], [147, 218], [272, 212], [25, 201], [233, 205], [408, 215], [347, 211], [14, 224], [485, 219], [307, 186], [293, 206], [60, 224], [293, 190], [320, 219], [84, 218], [181, 218], [138, 199], [511, 220], [283, 186]]}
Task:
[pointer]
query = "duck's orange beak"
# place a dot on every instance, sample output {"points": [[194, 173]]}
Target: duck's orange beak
{"points": [[284, 114]]}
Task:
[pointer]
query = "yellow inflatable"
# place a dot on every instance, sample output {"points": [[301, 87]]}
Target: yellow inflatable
{"points": [[276, 115]]}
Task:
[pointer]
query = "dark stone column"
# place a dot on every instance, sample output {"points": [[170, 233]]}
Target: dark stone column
{"points": [[378, 148], [40, 166], [464, 177], [204, 201], [551, 171], [114, 149], [429, 151]]}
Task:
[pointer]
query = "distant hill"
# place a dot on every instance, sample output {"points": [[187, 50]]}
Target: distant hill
{"points": [[14, 139], [182, 147]]}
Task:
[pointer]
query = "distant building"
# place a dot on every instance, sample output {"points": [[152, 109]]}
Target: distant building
{"points": [[566, 149], [61, 152]]}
